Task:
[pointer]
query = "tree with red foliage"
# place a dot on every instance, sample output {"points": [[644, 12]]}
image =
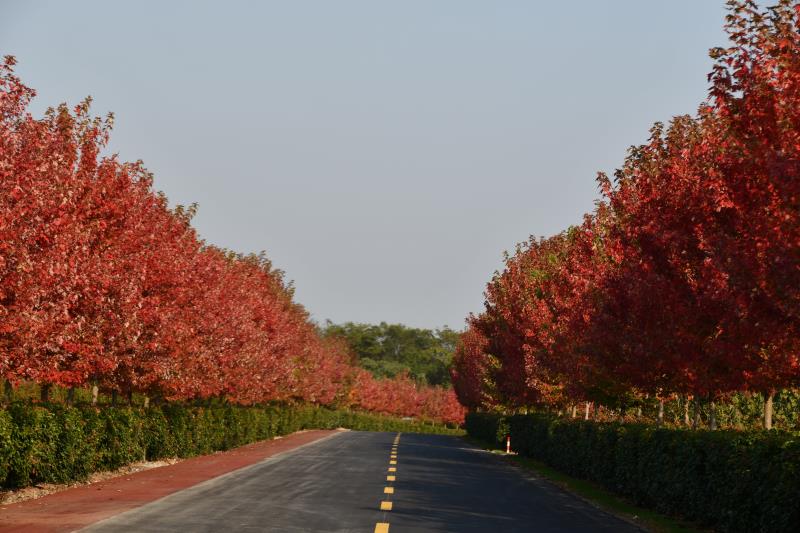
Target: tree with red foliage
{"points": [[52, 216], [471, 370], [753, 232]]}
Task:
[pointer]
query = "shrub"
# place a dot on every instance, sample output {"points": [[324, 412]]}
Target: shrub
{"points": [[487, 427]]}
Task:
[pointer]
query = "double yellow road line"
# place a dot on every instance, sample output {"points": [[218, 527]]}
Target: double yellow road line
{"points": [[388, 490]]}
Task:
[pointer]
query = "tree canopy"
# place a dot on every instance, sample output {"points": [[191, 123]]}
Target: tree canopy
{"points": [[389, 350]]}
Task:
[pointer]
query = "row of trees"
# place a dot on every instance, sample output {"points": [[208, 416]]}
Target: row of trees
{"points": [[685, 280], [102, 284]]}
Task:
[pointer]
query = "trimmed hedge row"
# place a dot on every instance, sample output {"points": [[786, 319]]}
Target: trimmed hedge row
{"points": [[58, 444], [728, 480]]}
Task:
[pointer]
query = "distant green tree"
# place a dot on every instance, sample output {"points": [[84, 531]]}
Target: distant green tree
{"points": [[386, 350]]}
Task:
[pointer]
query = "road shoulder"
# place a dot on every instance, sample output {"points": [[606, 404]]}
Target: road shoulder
{"points": [[593, 494]]}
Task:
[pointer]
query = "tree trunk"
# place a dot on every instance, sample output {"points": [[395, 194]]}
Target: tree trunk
{"points": [[574, 410], [586, 413], [95, 393], [768, 407], [146, 401], [44, 392], [712, 418], [113, 397], [639, 413], [660, 419], [8, 391], [71, 396], [130, 397], [697, 418], [686, 410]]}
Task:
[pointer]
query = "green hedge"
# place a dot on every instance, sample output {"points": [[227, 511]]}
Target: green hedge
{"points": [[487, 427], [58, 444], [727, 480]]}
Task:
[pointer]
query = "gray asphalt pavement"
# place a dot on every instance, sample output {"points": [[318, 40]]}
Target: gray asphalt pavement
{"points": [[338, 484]]}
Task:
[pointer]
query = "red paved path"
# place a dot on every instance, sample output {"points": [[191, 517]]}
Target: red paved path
{"points": [[78, 507]]}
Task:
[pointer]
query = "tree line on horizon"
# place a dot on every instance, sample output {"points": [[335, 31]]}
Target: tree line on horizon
{"points": [[391, 350], [684, 282]]}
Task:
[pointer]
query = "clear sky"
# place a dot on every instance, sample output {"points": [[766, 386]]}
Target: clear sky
{"points": [[384, 154]]}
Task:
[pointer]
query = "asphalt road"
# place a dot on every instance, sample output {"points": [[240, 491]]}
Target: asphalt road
{"points": [[340, 484]]}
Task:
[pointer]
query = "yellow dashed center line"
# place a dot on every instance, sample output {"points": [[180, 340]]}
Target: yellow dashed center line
{"points": [[386, 505]]}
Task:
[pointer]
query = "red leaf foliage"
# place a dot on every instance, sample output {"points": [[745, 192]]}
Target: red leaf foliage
{"points": [[686, 277], [102, 282]]}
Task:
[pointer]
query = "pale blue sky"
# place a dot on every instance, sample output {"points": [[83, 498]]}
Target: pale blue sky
{"points": [[383, 153]]}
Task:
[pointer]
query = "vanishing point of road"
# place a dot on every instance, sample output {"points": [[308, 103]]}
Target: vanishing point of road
{"points": [[372, 482]]}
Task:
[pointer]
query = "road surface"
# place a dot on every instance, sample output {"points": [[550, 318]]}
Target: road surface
{"points": [[345, 484]]}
